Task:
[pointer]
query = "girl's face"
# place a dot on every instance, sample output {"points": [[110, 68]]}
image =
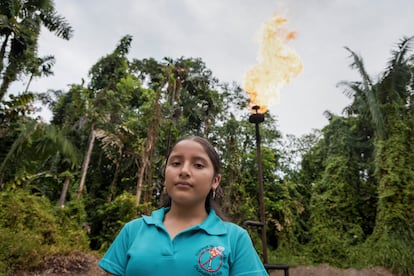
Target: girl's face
{"points": [[189, 174]]}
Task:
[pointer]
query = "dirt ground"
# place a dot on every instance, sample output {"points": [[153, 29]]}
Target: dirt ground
{"points": [[326, 270], [80, 264], [77, 264]]}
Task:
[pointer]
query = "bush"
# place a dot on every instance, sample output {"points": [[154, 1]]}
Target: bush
{"points": [[111, 216], [72, 220], [32, 228]]}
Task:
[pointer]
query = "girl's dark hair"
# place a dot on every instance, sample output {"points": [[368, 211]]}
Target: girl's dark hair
{"points": [[211, 202]]}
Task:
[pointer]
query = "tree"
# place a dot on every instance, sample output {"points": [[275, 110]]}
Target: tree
{"points": [[20, 24], [105, 106], [394, 158], [185, 102], [340, 195], [389, 104]]}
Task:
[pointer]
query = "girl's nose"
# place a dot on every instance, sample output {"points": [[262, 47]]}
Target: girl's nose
{"points": [[185, 170]]}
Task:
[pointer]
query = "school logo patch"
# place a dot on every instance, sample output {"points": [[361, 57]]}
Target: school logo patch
{"points": [[210, 259]]}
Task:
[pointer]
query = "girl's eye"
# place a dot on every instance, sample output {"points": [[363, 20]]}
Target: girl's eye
{"points": [[199, 166], [175, 163]]}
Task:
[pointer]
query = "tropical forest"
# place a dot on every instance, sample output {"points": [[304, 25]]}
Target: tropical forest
{"points": [[342, 195]]}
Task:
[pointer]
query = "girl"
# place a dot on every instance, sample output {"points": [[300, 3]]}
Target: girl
{"points": [[186, 236]]}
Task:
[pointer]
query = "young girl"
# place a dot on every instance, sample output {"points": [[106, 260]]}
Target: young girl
{"points": [[186, 237]]}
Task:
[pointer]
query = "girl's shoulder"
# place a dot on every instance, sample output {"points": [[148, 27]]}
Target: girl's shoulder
{"points": [[233, 228]]}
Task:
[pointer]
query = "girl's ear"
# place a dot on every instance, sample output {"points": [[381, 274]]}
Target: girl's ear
{"points": [[216, 182]]}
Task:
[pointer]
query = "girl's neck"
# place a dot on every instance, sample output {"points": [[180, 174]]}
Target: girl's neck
{"points": [[179, 218], [180, 212]]}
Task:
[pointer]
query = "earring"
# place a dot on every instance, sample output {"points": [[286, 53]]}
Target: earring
{"points": [[214, 194]]}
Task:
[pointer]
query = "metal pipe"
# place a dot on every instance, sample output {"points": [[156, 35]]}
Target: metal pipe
{"points": [[258, 118]]}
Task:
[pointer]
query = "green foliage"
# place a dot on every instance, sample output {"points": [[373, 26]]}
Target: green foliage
{"points": [[244, 208], [286, 218], [331, 244], [32, 229], [72, 220], [392, 242], [111, 216], [392, 248], [16, 107], [338, 197], [106, 73]]}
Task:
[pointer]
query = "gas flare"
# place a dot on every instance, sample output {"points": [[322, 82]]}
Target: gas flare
{"points": [[277, 64]]}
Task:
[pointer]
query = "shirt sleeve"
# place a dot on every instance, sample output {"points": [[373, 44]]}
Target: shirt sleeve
{"points": [[116, 258], [246, 260]]}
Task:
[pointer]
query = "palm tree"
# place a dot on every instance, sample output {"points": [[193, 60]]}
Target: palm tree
{"points": [[41, 147], [20, 24], [365, 96], [41, 66]]}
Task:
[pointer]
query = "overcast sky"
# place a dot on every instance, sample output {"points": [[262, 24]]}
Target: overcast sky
{"points": [[222, 33]]}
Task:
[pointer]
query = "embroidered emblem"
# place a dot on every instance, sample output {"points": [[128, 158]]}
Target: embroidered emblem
{"points": [[211, 258]]}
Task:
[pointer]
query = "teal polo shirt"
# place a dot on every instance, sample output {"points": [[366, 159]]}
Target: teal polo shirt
{"points": [[212, 248]]}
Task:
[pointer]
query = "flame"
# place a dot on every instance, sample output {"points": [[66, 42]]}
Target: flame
{"points": [[277, 64]]}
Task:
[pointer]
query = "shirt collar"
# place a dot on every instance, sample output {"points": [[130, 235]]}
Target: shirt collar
{"points": [[212, 225]]}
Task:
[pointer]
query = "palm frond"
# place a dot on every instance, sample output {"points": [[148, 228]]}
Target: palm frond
{"points": [[399, 55], [359, 65], [57, 24], [397, 78], [109, 142], [370, 93], [26, 131]]}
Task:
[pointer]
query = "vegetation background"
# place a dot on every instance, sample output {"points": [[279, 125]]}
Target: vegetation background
{"points": [[342, 195]]}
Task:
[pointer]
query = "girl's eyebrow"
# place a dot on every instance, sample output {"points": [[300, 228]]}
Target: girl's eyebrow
{"points": [[196, 158], [200, 158], [172, 155]]}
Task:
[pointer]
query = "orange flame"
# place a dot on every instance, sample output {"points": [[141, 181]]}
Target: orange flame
{"points": [[277, 64]]}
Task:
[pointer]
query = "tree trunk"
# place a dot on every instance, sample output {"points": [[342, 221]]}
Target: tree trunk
{"points": [[149, 145], [9, 74], [86, 160], [139, 184], [3, 53], [113, 183], [28, 83], [64, 192], [4, 85]]}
